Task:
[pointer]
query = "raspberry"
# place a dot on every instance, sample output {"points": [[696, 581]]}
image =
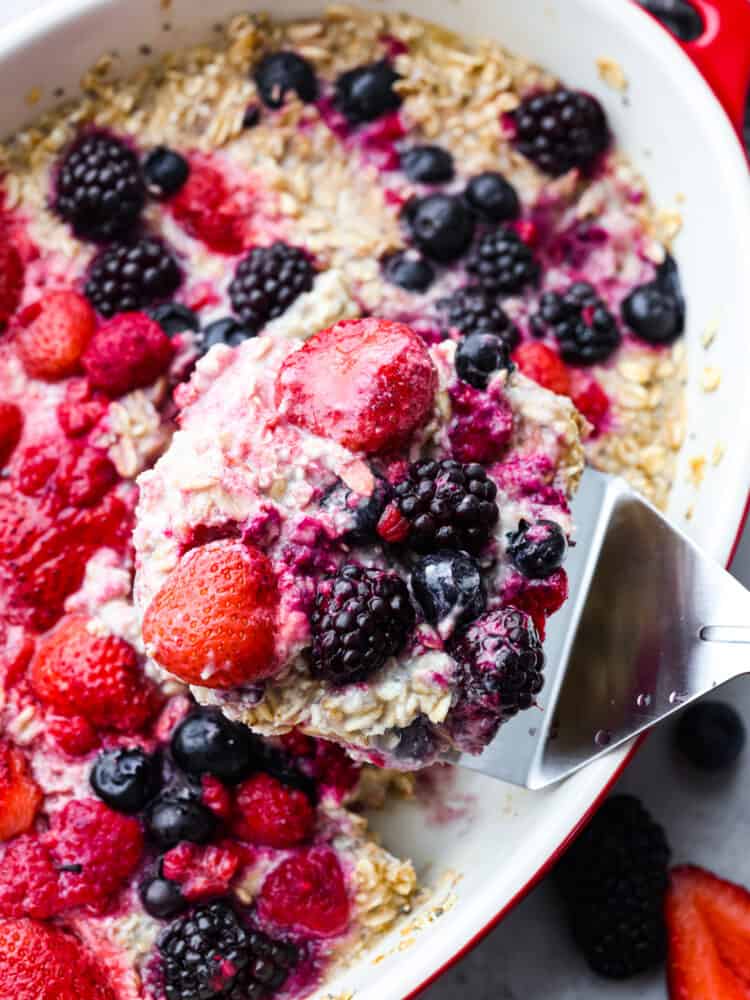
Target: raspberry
{"points": [[502, 263], [11, 427], [126, 277], [209, 211], [72, 734], [81, 408], [306, 893], [213, 620], [334, 770], [541, 364], [481, 425], [11, 279], [539, 598], [368, 384], [215, 796], [53, 334], [20, 796], [271, 814], [471, 310], [201, 871], [267, 281], [28, 881], [86, 476], [128, 352], [561, 130], [590, 399], [583, 326]]}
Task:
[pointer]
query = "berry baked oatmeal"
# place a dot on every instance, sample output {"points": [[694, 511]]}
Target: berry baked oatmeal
{"points": [[351, 299]]}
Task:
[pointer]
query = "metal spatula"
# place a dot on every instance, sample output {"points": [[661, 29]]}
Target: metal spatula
{"points": [[651, 624]]}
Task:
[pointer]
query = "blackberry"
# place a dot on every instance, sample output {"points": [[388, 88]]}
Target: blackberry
{"points": [[267, 281], [440, 225], [500, 662], [408, 270], [560, 130], [361, 617], [492, 197], [280, 73], [165, 171], [711, 735], [613, 880], [583, 326], [538, 549], [127, 277], [448, 505], [99, 187], [366, 92], [427, 164], [479, 356], [267, 970], [502, 263], [449, 589], [125, 779], [470, 310]]}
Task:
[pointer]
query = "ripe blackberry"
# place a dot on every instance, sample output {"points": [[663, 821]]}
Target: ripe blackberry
{"points": [[470, 310], [561, 130], [267, 281], [613, 880], [502, 263], [266, 972], [127, 277], [583, 326], [361, 617], [448, 505], [99, 187]]}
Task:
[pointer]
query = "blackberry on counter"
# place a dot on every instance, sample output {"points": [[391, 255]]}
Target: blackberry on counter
{"points": [[267, 281], [448, 505], [361, 617], [492, 197], [560, 130], [479, 356], [440, 225], [471, 310], [127, 277], [125, 779], [538, 549], [583, 326], [502, 263], [427, 164], [99, 187], [280, 73], [408, 270], [613, 880], [366, 92]]}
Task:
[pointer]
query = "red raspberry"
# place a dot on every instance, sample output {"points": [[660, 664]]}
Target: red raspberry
{"points": [[11, 279], [334, 770], [541, 598], [272, 814], [482, 423], [590, 399], [306, 893], [215, 796], [201, 871], [28, 881], [73, 734], [368, 384], [11, 426], [36, 467], [53, 333], [85, 476], [393, 526], [298, 744], [81, 408], [544, 366], [207, 210], [20, 796], [127, 352]]}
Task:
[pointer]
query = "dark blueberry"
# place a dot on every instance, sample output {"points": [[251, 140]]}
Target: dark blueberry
{"points": [[537, 549], [711, 735], [162, 898], [125, 779], [165, 172], [128, 277], [479, 356], [654, 313], [206, 742], [427, 164], [560, 130], [470, 310], [408, 270], [449, 589], [280, 73], [440, 225], [280, 765], [583, 326], [502, 263], [417, 741], [267, 281], [366, 92], [679, 16], [252, 116], [227, 331], [174, 817], [360, 513], [174, 318], [492, 198]]}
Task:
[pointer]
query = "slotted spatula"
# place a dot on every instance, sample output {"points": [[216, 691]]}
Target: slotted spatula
{"points": [[651, 624]]}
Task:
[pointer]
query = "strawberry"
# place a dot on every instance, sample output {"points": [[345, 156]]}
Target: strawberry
{"points": [[589, 399], [52, 334], [15, 653], [271, 814], [11, 279], [201, 871], [207, 210], [127, 352], [544, 366], [213, 621], [307, 893], [28, 880], [43, 962], [20, 796], [78, 672], [11, 426], [368, 384], [708, 921], [81, 408]]}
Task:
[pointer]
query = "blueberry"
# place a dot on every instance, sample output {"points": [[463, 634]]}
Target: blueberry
{"points": [[440, 225], [206, 742], [174, 318], [125, 779], [366, 92], [223, 331], [251, 116], [538, 549], [165, 172], [279, 73], [173, 817], [162, 898], [492, 198], [408, 270], [417, 741], [427, 164], [449, 588], [479, 356], [710, 734], [654, 313], [362, 512]]}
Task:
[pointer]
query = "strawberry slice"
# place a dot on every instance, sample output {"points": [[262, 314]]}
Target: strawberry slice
{"points": [[20, 796], [544, 366], [709, 937]]}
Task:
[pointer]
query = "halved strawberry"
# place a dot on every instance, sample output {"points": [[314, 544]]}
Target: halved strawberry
{"points": [[20, 796], [53, 333]]}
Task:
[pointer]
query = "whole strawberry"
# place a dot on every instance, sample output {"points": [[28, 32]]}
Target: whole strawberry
{"points": [[127, 352], [53, 333], [20, 796], [272, 814]]}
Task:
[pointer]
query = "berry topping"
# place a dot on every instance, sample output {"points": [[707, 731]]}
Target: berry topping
{"points": [[492, 198], [479, 356], [470, 310], [125, 779], [448, 505], [99, 188], [368, 384], [127, 352], [307, 893], [589, 399], [583, 326], [365, 93], [281, 73], [656, 311], [449, 589], [162, 898], [173, 817], [28, 881], [711, 735], [201, 871], [272, 814], [361, 512], [173, 318], [252, 116], [81, 408], [427, 164], [53, 333], [544, 366], [202, 953], [11, 279], [227, 331], [130, 276], [482, 423], [213, 620], [417, 741], [538, 549], [408, 270], [500, 662], [561, 130], [440, 225], [165, 172], [540, 598], [20, 796], [502, 263], [206, 742], [208, 210], [613, 880], [361, 618], [11, 428], [267, 281]]}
